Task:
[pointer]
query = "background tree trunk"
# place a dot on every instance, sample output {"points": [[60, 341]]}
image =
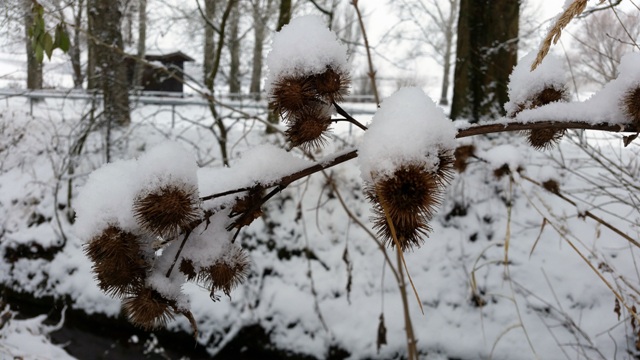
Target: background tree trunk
{"points": [[449, 31], [260, 18], [92, 79], [283, 19], [486, 54], [209, 43], [285, 14], [74, 50], [34, 67], [106, 17], [234, 50], [142, 44]]}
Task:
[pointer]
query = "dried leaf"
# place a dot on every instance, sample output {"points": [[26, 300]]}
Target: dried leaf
{"points": [[382, 333], [616, 309], [628, 139], [347, 261]]}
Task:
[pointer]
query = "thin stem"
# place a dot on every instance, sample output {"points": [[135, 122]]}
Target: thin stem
{"points": [[411, 340], [588, 213], [372, 72], [471, 131], [348, 117], [225, 193], [175, 260]]}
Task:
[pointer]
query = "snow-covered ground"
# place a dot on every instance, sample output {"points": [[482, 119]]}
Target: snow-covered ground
{"points": [[318, 280], [510, 270]]}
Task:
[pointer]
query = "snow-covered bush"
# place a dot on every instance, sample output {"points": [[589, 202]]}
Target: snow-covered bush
{"points": [[153, 223]]}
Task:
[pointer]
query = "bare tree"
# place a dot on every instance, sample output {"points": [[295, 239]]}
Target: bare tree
{"points": [[209, 41], [261, 11], [34, 67], [602, 39], [142, 43], [106, 18], [234, 50], [433, 23], [486, 52]]}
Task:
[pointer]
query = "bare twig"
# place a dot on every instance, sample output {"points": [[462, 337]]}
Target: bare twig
{"points": [[372, 72], [348, 117], [588, 213], [471, 131]]}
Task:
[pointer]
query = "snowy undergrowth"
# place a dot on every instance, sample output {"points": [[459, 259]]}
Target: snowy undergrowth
{"points": [[298, 287], [28, 339]]}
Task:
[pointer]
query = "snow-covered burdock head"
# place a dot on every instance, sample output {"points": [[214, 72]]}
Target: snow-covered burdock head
{"points": [[531, 89], [406, 160], [148, 309], [308, 72], [118, 260], [631, 103], [168, 201], [630, 75], [226, 273]]}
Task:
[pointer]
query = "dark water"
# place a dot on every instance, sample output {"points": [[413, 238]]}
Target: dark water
{"points": [[98, 337]]}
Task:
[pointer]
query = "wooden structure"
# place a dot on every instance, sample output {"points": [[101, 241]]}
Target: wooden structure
{"points": [[163, 73]]}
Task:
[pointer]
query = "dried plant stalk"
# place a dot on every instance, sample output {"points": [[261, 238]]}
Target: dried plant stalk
{"points": [[576, 8]]}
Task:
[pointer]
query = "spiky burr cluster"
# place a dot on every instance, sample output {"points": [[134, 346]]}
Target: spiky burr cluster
{"points": [[123, 260], [544, 139], [147, 233], [404, 203], [631, 104], [304, 102], [306, 79]]}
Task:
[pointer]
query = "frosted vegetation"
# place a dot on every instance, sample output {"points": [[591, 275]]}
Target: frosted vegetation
{"points": [[506, 260]]}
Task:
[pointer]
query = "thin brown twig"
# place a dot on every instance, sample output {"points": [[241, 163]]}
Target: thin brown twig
{"points": [[348, 116], [587, 213], [175, 259], [471, 131], [372, 72]]}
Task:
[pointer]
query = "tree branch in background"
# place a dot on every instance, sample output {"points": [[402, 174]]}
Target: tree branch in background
{"points": [[372, 72]]}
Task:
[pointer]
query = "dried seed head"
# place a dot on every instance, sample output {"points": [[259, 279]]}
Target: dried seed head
{"points": [[444, 174], [548, 95], [505, 170], [544, 139], [408, 198], [631, 105], [167, 210], [462, 154], [331, 85], [244, 207], [147, 309], [309, 128], [228, 273], [551, 186], [118, 262], [187, 268], [291, 94]]}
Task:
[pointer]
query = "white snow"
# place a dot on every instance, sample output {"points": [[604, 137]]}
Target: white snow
{"points": [[305, 47], [167, 163], [28, 339], [504, 155], [408, 127], [603, 107], [107, 199], [262, 164], [524, 84]]}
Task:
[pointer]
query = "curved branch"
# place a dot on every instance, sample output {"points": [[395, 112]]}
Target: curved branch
{"points": [[468, 132]]}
